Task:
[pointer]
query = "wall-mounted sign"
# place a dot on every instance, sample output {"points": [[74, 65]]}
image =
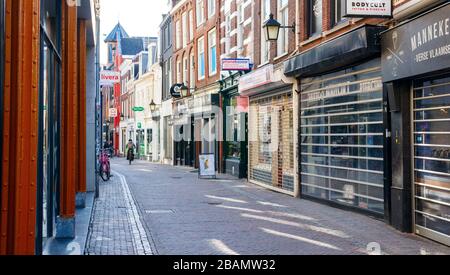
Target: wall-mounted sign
{"points": [[175, 90], [207, 167], [138, 109], [109, 78], [236, 64], [139, 125], [256, 78], [368, 8], [112, 112], [418, 47]]}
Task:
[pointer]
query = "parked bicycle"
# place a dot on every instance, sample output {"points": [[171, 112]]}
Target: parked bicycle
{"points": [[105, 165]]}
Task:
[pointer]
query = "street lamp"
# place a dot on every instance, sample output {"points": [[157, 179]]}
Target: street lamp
{"points": [[184, 90], [152, 106], [122, 117], [272, 28]]}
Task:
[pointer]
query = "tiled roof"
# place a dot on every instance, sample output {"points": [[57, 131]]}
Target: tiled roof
{"points": [[131, 46], [112, 37]]}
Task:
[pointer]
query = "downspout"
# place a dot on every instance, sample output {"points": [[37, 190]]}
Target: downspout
{"points": [[2, 74]]}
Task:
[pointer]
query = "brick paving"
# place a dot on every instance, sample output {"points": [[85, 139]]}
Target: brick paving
{"points": [[188, 216], [114, 229]]}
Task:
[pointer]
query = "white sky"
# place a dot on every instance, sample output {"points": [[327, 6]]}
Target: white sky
{"points": [[138, 17]]}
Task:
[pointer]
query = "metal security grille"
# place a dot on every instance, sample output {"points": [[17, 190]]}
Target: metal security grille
{"points": [[432, 158], [271, 149], [342, 138]]}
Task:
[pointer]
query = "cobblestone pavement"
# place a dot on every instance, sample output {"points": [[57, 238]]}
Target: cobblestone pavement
{"points": [[115, 227], [187, 216]]}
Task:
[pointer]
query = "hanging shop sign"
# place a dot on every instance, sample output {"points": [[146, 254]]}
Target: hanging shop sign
{"points": [[109, 78], [138, 109], [207, 167], [368, 8], [418, 47], [256, 78], [236, 64], [112, 112]]}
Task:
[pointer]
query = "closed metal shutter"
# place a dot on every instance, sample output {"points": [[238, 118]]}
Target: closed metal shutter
{"points": [[271, 143]]}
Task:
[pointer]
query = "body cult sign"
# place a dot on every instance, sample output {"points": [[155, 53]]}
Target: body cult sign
{"points": [[368, 8], [109, 78]]}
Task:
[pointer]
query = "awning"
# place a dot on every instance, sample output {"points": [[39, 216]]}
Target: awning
{"points": [[357, 45]]}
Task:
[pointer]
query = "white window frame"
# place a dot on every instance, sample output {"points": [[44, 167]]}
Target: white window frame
{"points": [[212, 43], [192, 71], [265, 45], [178, 34], [185, 69], [283, 18], [191, 25], [200, 51], [200, 12], [211, 8], [184, 28]]}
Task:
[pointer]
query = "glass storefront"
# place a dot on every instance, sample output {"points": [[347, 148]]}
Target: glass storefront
{"points": [[342, 137], [49, 120], [431, 116], [271, 143]]}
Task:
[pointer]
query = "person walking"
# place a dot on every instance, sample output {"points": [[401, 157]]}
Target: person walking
{"points": [[130, 151]]}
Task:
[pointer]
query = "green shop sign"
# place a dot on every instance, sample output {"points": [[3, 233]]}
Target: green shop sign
{"points": [[138, 109], [139, 125]]}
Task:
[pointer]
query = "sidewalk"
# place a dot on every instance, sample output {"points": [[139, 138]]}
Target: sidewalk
{"points": [[114, 228]]}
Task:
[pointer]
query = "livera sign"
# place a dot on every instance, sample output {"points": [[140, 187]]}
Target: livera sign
{"points": [[418, 47]]}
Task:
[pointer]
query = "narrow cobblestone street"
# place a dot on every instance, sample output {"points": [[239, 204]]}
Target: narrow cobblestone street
{"points": [[182, 215]]}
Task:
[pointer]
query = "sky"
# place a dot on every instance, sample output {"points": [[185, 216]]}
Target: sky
{"points": [[138, 17]]}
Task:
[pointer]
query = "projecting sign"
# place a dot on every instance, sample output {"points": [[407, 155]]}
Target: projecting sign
{"points": [[236, 64], [207, 165], [418, 47], [112, 112], [368, 8], [109, 78]]}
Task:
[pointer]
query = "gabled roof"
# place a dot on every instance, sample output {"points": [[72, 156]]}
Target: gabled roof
{"points": [[118, 29], [131, 46]]}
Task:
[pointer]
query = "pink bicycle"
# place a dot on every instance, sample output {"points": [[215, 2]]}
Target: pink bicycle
{"points": [[105, 166]]}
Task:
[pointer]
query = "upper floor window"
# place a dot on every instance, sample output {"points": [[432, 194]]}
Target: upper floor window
{"points": [[185, 29], [178, 34], [315, 13], [191, 26], [212, 52], [192, 72], [265, 45], [200, 8], [337, 12], [201, 58], [283, 18], [211, 8]]}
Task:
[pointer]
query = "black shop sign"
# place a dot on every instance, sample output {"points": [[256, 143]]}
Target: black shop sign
{"points": [[418, 47]]}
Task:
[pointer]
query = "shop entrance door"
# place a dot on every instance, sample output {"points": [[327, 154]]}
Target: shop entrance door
{"points": [[431, 99]]}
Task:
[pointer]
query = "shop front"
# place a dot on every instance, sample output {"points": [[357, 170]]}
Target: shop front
{"points": [[49, 122], [205, 111], [342, 134], [183, 126], [235, 120], [416, 71], [270, 130]]}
